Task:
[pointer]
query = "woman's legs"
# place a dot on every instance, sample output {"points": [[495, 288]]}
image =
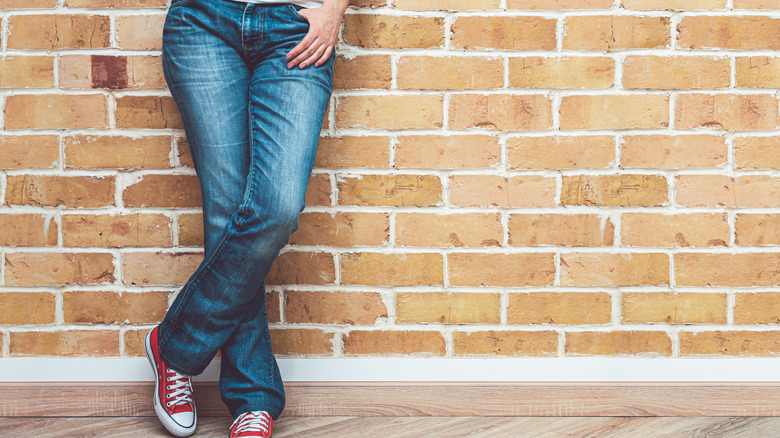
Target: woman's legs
{"points": [[225, 62]]}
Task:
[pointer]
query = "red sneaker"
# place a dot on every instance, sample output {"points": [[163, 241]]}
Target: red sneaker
{"points": [[258, 424], [172, 392]]}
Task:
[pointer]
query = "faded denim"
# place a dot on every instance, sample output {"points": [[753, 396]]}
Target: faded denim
{"points": [[253, 128]]}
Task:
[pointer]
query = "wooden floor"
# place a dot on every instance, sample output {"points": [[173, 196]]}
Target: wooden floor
{"points": [[410, 427]]}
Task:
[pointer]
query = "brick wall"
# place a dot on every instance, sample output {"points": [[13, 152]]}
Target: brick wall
{"points": [[495, 177]]}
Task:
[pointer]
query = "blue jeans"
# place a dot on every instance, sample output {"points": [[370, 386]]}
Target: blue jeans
{"points": [[253, 127]]}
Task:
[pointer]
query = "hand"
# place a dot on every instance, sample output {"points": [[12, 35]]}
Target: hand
{"points": [[318, 44]]}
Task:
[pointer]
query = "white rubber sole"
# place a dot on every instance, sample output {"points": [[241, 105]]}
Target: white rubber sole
{"points": [[169, 423]]}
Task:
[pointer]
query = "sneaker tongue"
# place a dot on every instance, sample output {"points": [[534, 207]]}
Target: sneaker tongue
{"points": [[183, 407]]}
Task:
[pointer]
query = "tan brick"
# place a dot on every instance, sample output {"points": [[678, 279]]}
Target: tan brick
{"points": [[58, 268], [295, 267], [561, 152], [756, 308], [732, 112], [503, 112], [730, 343], [449, 230], [296, 342], [390, 190], [739, 270], [618, 112], [111, 72], [728, 32], [341, 229], [496, 269], [758, 71], [393, 31], [757, 152], [159, 268], [394, 343], [273, 306], [347, 151], [106, 230], [720, 190], [605, 269], [59, 31], [191, 229], [450, 73], [390, 111], [318, 190], [645, 5], [559, 308], [367, 71], [674, 308], [140, 32], [498, 191], [152, 112], [757, 229], [26, 308], [65, 343], [368, 3], [755, 4], [673, 230], [167, 191], [447, 152], [511, 33], [506, 343], [397, 269], [615, 32], [333, 307], [27, 4], [27, 230], [560, 230], [554, 5], [448, 308], [55, 190], [676, 72], [673, 151], [134, 342], [618, 343], [614, 190], [110, 307], [115, 3], [446, 5], [26, 71], [183, 152], [31, 151], [563, 72], [117, 152], [56, 111]]}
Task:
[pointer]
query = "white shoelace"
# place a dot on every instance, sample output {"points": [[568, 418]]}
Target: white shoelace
{"points": [[254, 420], [183, 393]]}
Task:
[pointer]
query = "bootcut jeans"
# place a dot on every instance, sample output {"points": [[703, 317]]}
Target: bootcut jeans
{"points": [[253, 127]]}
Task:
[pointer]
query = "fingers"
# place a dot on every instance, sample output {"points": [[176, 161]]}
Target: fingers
{"points": [[299, 52], [324, 57], [310, 60]]}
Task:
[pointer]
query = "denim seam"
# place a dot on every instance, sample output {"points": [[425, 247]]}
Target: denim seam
{"points": [[296, 13], [243, 25], [260, 29], [195, 279]]}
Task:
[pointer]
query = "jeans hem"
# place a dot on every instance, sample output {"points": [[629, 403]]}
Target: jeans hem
{"points": [[274, 413]]}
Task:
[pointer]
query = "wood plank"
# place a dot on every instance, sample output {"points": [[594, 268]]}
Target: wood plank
{"points": [[413, 399], [410, 427]]}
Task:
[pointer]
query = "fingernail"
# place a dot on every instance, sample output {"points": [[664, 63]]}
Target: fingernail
{"points": [[303, 65], [290, 65]]}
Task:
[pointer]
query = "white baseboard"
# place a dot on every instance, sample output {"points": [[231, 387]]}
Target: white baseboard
{"points": [[397, 369]]}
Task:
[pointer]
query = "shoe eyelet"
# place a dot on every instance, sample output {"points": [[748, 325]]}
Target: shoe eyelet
{"points": [[167, 396], [168, 404]]}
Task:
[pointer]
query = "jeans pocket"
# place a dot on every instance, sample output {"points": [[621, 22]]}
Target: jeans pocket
{"points": [[294, 9]]}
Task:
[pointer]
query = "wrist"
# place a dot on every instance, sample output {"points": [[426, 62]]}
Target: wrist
{"points": [[337, 5]]}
